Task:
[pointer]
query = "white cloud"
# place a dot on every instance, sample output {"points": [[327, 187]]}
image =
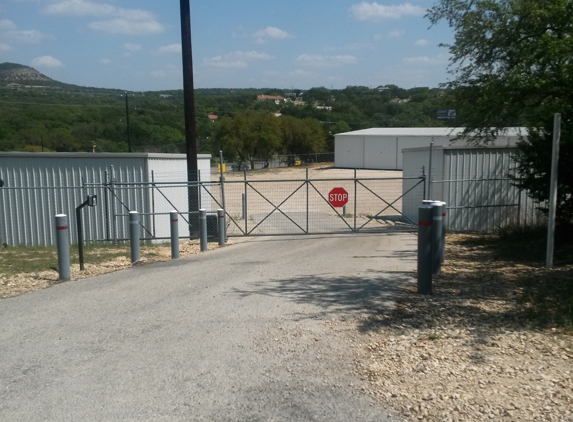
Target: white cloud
{"points": [[168, 72], [30, 36], [325, 61], [7, 25], [79, 8], [236, 60], [47, 62], [396, 33], [440, 59], [105, 61], [132, 47], [127, 26], [172, 48], [377, 12], [4, 47], [117, 20], [271, 33], [421, 43]]}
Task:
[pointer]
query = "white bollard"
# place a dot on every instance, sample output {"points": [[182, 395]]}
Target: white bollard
{"points": [[63, 242], [174, 219]]}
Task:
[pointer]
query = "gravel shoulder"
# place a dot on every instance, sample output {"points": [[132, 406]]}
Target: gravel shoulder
{"points": [[467, 353]]}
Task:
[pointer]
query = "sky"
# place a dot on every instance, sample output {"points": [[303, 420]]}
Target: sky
{"points": [[300, 44]]}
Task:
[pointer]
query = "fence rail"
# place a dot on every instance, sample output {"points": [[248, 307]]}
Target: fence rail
{"points": [[257, 207]]}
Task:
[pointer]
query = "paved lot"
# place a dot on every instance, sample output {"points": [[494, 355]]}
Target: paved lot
{"points": [[254, 331]]}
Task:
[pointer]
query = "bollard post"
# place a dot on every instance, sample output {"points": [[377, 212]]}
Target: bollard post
{"points": [[425, 222], [444, 215], [63, 243], [174, 219], [222, 226], [134, 235], [203, 225], [437, 209]]}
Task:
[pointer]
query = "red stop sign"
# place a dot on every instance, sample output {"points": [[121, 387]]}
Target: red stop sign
{"points": [[338, 197]]}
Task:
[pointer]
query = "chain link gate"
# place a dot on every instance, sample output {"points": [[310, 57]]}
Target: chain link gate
{"points": [[301, 206], [262, 207]]}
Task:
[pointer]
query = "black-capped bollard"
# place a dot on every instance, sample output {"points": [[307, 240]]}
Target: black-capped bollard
{"points": [[425, 223]]}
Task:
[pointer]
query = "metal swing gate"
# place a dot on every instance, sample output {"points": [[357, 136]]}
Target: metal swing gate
{"points": [[267, 207], [301, 206]]}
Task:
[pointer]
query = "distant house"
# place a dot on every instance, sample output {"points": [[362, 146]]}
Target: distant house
{"points": [[212, 117], [165, 96], [276, 98], [14, 86]]}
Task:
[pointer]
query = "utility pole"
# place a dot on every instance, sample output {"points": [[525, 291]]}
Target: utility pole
{"points": [[190, 124], [127, 118]]}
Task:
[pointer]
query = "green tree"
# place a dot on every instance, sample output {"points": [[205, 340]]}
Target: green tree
{"points": [[302, 136], [511, 62], [251, 135]]}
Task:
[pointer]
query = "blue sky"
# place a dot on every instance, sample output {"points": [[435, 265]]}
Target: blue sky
{"points": [[136, 45]]}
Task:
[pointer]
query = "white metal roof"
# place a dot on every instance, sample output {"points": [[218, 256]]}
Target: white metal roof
{"points": [[422, 131]]}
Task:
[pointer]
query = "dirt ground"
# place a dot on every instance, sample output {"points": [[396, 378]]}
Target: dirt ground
{"points": [[466, 353], [25, 282], [315, 171]]}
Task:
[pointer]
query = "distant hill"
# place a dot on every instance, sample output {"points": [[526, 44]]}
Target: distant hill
{"points": [[25, 75]]}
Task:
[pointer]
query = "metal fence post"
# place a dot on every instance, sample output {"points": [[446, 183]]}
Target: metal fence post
{"points": [[222, 180], [222, 226], [113, 199], [174, 219], [245, 210], [134, 235], [425, 223], [63, 243], [203, 231], [355, 197], [307, 200]]}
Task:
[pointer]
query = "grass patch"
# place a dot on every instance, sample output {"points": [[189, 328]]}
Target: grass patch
{"points": [[22, 259]]}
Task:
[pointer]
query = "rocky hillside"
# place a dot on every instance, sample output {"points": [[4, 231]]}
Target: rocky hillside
{"points": [[20, 74]]}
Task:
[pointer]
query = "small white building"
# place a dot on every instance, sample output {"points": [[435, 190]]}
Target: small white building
{"points": [[381, 148], [37, 186]]}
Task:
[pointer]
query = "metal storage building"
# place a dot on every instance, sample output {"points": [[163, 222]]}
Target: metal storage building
{"points": [[381, 148], [474, 183], [37, 186]]}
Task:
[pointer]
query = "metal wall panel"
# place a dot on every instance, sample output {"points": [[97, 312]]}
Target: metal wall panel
{"points": [[349, 152], [475, 184], [40, 185], [172, 168]]}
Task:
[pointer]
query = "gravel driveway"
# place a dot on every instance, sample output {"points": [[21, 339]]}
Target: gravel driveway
{"points": [[254, 331]]}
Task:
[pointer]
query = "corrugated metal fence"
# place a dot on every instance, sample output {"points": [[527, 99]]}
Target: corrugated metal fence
{"points": [[478, 186]]}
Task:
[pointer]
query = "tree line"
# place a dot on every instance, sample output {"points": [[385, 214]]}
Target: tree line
{"points": [[67, 120]]}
